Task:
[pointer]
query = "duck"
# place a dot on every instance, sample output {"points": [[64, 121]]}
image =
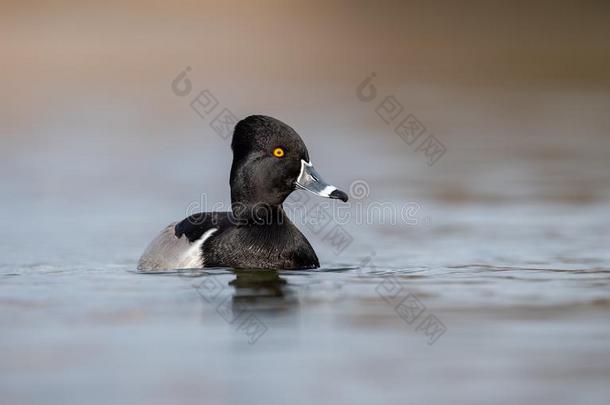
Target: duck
{"points": [[270, 161]]}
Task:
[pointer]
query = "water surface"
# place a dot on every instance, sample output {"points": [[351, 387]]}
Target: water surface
{"points": [[508, 253]]}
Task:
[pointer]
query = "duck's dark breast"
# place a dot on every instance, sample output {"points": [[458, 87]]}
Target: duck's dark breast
{"points": [[277, 246]]}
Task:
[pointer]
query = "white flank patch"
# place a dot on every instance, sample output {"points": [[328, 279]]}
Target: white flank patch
{"points": [[192, 257]]}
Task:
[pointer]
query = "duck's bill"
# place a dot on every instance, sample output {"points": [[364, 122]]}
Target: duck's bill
{"points": [[310, 180]]}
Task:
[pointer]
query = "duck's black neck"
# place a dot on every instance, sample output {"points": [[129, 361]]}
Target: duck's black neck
{"points": [[259, 214], [255, 194]]}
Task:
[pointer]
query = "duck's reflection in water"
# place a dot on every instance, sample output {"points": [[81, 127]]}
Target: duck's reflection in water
{"points": [[263, 293], [253, 301], [260, 299]]}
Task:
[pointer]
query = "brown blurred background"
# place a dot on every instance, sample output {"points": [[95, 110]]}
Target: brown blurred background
{"points": [[518, 92]]}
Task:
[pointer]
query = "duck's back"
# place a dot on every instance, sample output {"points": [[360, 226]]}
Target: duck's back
{"points": [[217, 239], [179, 244]]}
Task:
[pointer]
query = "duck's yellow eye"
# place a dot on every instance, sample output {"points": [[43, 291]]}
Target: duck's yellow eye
{"points": [[278, 152]]}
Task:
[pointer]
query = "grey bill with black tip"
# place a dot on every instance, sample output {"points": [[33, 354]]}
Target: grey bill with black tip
{"points": [[310, 180]]}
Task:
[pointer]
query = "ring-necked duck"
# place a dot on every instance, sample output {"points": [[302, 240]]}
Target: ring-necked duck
{"points": [[270, 161]]}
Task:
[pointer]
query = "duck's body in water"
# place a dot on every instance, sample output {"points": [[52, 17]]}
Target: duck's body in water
{"points": [[269, 162]]}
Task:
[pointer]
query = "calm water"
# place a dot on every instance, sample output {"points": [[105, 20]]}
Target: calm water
{"points": [[507, 252]]}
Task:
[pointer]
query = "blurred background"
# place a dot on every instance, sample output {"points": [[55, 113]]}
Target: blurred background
{"points": [[98, 153], [93, 134]]}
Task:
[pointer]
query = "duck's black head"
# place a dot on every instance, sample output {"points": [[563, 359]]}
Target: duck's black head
{"points": [[270, 160]]}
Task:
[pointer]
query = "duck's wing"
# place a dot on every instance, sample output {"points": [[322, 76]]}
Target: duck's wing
{"points": [[178, 246]]}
